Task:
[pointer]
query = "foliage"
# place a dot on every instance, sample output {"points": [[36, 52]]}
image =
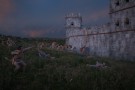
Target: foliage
{"points": [[67, 71]]}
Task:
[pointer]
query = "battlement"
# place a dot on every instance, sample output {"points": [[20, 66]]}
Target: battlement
{"points": [[115, 39], [73, 15], [105, 28], [99, 29]]}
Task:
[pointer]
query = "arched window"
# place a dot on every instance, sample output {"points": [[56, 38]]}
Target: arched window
{"points": [[127, 22], [117, 23], [72, 23], [117, 3], [126, 1]]}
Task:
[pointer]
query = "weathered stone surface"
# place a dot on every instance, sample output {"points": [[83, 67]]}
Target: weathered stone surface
{"points": [[115, 39]]}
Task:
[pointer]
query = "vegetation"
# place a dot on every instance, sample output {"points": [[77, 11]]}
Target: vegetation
{"points": [[67, 71]]}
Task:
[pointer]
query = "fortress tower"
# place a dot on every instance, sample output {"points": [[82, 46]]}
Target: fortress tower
{"points": [[116, 40], [73, 24], [73, 21], [122, 14]]}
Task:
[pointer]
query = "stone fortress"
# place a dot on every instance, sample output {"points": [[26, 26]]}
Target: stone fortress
{"points": [[115, 39]]}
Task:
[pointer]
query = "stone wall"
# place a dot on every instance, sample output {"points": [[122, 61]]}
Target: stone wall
{"points": [[104, 42], [122, 45], [116, 39]]}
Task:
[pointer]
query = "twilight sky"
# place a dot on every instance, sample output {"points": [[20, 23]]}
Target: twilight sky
{"points": [[46, 18]]}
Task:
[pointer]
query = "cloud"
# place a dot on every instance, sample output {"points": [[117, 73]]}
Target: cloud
{"points": [[34, 33], [6, 6], [42, 32], [45, 17]]}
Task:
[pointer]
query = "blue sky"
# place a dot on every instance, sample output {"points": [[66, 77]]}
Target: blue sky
{"points": [[46, 18]]}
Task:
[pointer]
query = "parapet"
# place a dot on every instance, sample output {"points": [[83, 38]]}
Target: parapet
{"points": [[99, 29], [94, 30], [73, 15]]}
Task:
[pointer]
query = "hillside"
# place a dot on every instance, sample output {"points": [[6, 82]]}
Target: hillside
{"points": [[67, 71]]}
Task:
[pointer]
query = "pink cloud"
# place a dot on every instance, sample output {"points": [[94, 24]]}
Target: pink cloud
{"points": [[34, 33], [6, 6], [39, 32]]}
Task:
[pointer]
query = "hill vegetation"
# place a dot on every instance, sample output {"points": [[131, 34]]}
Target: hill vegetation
{"points": [[67, 71]]}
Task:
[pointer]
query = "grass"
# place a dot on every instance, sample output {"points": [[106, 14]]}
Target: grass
{"points": [[66, 72]]}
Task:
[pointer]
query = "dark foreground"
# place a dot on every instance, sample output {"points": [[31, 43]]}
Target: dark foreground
{"points": [[66, 72]]}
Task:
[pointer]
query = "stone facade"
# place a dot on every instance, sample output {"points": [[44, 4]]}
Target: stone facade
{"points": [[115, 39]]}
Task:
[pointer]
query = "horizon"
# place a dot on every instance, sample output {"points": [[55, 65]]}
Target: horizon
{"points": [[46, 18]]}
